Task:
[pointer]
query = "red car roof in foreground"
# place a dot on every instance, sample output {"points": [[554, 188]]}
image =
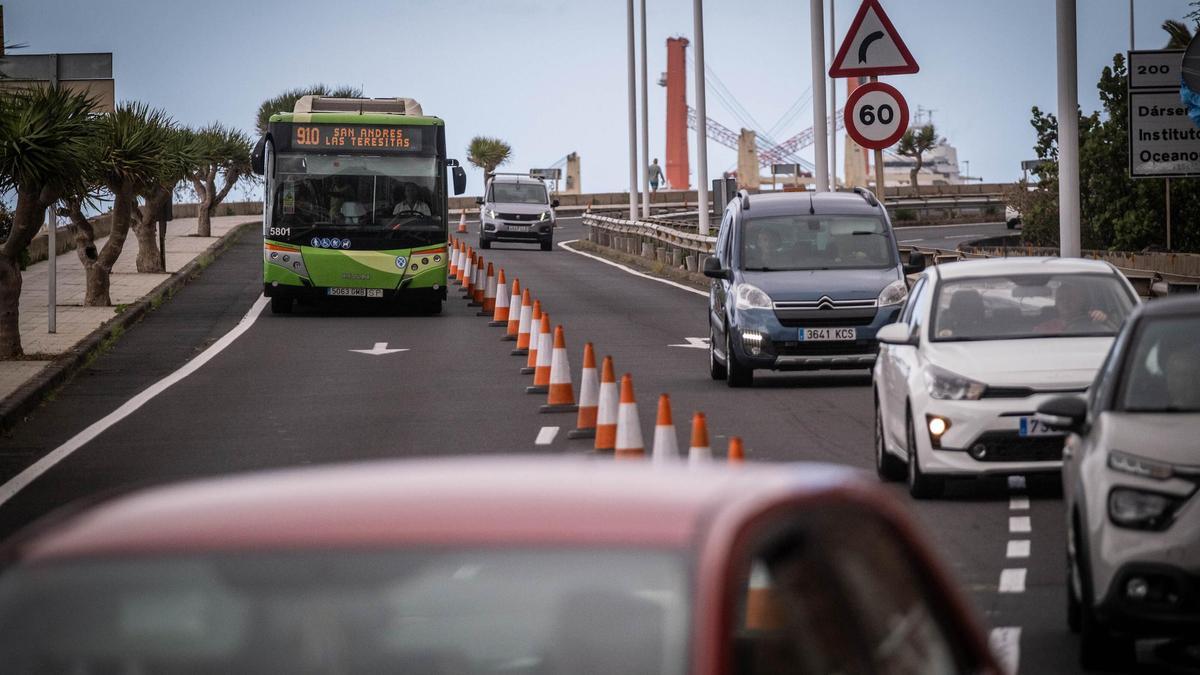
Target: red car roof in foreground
{"points": [[481, 501]]}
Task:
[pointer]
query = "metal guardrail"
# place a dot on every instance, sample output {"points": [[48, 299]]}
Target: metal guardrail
{"points": [[678, 244]]}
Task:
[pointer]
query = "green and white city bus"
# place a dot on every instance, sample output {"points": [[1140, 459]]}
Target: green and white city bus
{"points": [[355, 202]]}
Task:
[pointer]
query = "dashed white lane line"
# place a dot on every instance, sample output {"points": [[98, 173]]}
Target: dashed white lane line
{"points": [[1016, 482], [23, 479], [689, 289], [546, 436], [1012, 580], [1018, 503], [1017, 548], [1005, 642], [1019, 524]]}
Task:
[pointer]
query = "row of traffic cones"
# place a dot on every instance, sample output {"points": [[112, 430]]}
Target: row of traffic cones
{"points": [[605, 412]]}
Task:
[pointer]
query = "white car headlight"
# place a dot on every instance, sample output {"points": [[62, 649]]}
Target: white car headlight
{"points": [[751, 297], [545, 216], [491, 213], [947, 386], [894, 293]]}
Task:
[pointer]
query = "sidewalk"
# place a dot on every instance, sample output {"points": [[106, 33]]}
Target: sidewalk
{"points": [[76, 322]]}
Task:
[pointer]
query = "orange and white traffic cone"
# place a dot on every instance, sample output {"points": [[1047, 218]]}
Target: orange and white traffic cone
{"points": [[514, 312], [489, 293], [526, 322], [464, 261], [500, 302], [589, 396], [666, 443], [468, 274], [453, 258], [560, 393], [699, 451], [606, 411], [535, 338], [480, 283], [736, 453], [462, 222], [541, 361], [629, 426]]}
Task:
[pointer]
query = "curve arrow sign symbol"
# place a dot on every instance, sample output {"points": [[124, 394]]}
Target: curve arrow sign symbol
{"points": [[862, 48]]}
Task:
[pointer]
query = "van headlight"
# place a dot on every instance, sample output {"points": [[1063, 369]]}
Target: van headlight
{"points": [[490, 213], [894, 293], [751, 297], [947, 386], [545, 216]]}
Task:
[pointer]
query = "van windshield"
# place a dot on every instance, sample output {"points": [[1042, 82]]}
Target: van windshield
{"points": [[518, 193], [778, 243]]}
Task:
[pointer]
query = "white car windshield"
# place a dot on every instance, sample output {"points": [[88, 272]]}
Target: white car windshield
{"points": [[1163, 370], [1030, 306]]}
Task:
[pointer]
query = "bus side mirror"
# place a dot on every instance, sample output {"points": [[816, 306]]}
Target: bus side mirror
{"points": [[460, 180], [258, 157]]}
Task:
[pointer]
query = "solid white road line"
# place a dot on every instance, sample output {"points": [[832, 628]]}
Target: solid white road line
{"points": [[1020, 524], [1018, 503], [23, 479], [1006, 645], [689, 289], [1012, 580], [546, 436], [1017, 548]]}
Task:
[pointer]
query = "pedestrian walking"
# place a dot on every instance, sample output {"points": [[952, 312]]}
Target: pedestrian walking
{"points": [[655, 174]]}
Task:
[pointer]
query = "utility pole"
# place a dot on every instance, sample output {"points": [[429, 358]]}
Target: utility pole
{"points": [[1068, 129], [701, 118], [633, 158], [816, 24], [832, 100], [645, 124]]}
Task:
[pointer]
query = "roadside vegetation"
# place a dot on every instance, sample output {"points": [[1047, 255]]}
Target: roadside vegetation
{"points": [[488, 154], [1117, 212], [60, 155]]}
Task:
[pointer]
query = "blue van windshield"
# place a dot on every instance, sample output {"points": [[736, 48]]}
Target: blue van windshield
{"points": [[778, 243]]}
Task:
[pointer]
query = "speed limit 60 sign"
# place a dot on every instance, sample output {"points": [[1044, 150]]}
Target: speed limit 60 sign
{"points": [[876, 115]]}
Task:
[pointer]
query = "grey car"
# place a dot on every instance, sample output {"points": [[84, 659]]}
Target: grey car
{"points": [[516, 207], [1131, 470]]}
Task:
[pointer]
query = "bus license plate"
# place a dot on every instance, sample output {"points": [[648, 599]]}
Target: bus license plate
{"points": [[827, 334], [356, 292]]}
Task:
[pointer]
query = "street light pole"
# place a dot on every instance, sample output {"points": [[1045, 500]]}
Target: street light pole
{"points": [[832, 101], [820, 152], [645, 123], [633, 158], [1068, 130], [701, 118]]}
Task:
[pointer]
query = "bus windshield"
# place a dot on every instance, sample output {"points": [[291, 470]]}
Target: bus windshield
{"points": [[365, 194]]}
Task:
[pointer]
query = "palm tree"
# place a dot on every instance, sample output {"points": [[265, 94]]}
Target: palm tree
{"points": [[181, 155], [286, 101], [43, 155], [1181, 35], [915, 143], [132, 148], [225, 154], [487, 154]]}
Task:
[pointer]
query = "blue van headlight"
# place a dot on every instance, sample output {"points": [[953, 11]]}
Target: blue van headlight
{"points": [[894, 293], [751, 297]]}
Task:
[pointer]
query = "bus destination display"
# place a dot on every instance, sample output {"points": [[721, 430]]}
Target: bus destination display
{"points": [[386, 139]]}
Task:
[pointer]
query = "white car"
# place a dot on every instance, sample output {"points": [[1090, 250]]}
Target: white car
{"points": [[1131, 471], [978, 346]]}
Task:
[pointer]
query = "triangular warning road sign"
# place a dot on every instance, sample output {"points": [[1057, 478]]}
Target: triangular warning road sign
{"points": [[872, 46]]}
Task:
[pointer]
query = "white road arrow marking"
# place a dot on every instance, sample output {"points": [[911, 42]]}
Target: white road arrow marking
{"points": [[693, 343], [379, 348]]}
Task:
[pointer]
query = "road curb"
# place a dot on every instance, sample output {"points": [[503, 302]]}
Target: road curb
{"points": [[30, 395], [657, 269]]}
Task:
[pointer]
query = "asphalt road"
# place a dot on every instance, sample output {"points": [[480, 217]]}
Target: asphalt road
{"points": [[290, 391], [948, 236]]}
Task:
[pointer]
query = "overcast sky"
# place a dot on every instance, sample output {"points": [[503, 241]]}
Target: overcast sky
{"points": [[548, 76]]}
